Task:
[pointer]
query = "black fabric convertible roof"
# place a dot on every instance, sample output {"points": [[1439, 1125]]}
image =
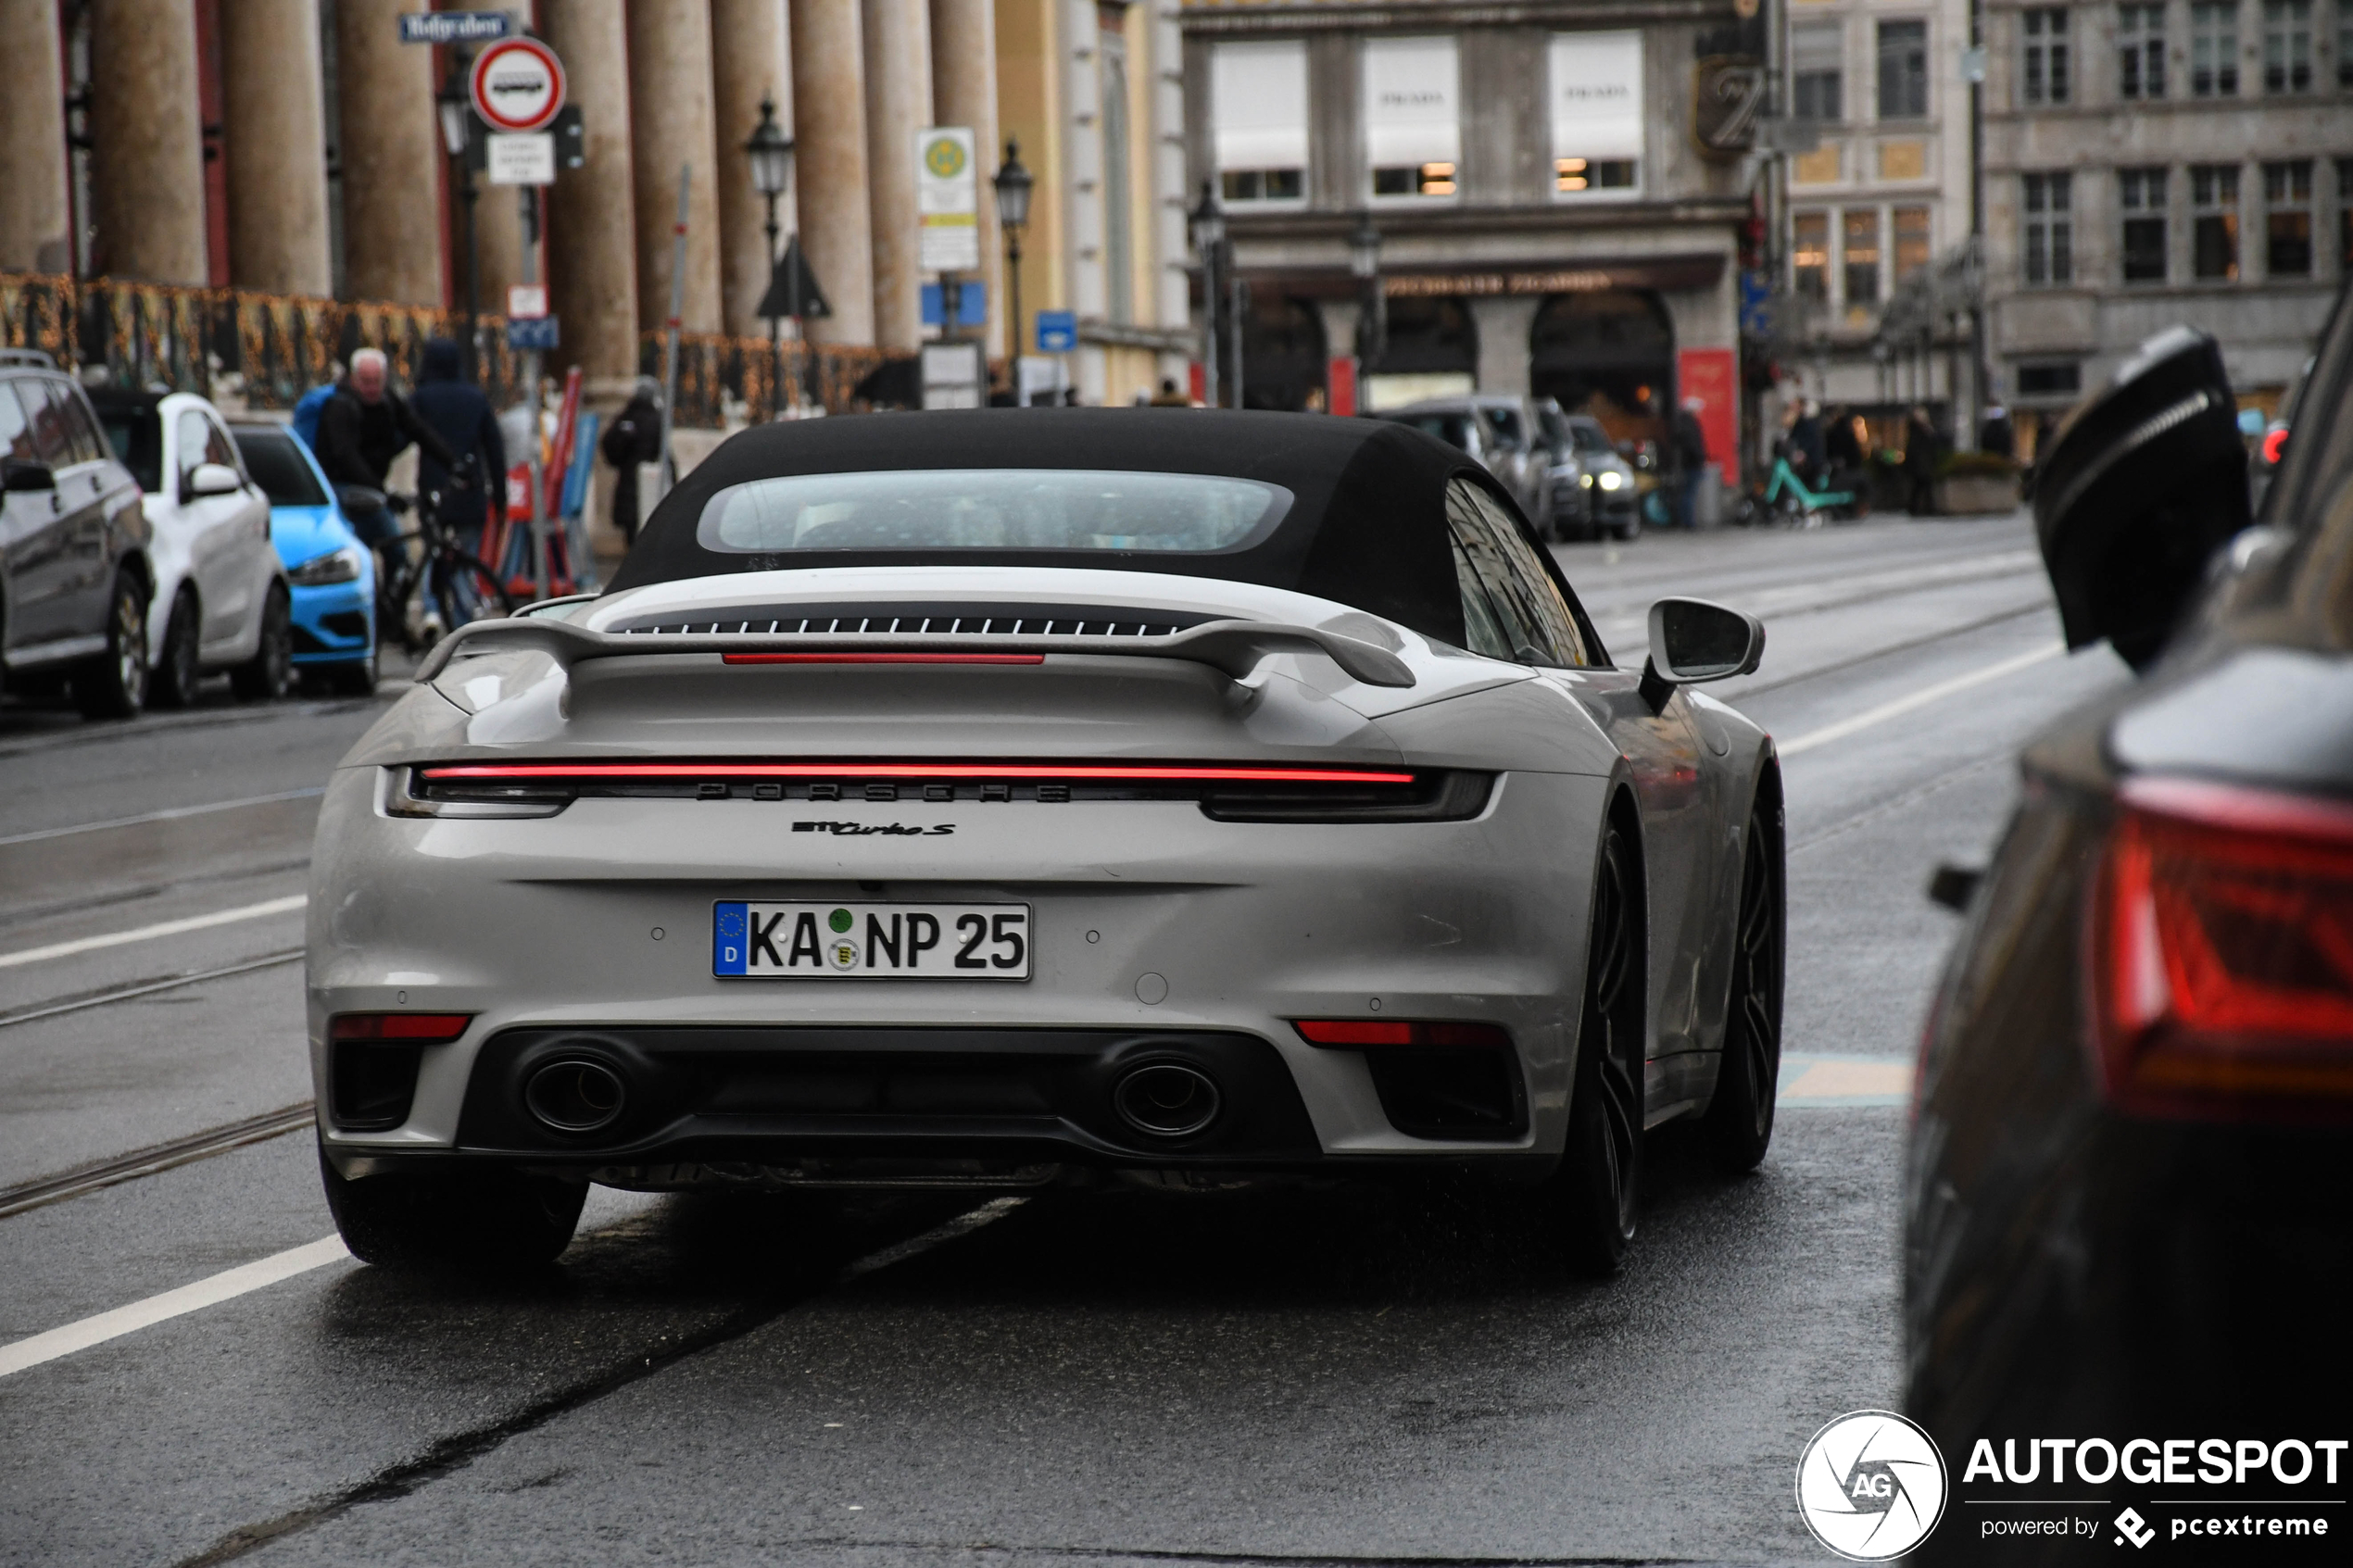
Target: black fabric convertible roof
{"points": [[1366, 527]]}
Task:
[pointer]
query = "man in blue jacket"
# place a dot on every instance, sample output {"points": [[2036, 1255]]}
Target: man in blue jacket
{"points": [[460, 415]]}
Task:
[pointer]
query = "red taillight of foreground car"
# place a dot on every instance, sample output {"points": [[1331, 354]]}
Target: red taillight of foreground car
{"points": [[408, 1028], [1397, 1031], [2222, 955], [883, 659]]}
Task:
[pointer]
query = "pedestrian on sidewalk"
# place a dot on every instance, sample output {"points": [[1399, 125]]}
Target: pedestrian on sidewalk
{"points": [[1691, 460], [633, 437], [460, 415], [1922, 449]]}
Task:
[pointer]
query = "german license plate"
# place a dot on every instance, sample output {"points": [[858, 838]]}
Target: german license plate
{"points": [[870, 941]]}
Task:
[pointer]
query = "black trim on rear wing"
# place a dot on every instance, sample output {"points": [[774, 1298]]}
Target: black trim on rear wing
{"points": [[1237, 647]]}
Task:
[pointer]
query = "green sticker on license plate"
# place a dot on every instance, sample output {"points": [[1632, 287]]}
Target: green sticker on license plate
{"points": [[752, 941]]}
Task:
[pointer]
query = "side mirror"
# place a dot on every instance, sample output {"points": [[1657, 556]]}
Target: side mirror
{"points": [[2146, 480], [212, 479], [1694, 641], [18, 473]]}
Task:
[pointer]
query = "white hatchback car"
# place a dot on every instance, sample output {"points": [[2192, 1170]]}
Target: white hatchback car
{"points": [[220, 597]]}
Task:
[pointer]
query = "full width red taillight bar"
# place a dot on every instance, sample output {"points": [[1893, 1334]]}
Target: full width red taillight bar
{"points": [[1111, 772]]}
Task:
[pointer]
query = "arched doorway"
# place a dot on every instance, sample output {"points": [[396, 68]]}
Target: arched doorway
{"points": [[1609, 353], [1432, 351], [1282, 353]]}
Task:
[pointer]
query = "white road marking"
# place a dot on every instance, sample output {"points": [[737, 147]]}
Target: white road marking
{"points": [[150, 932], [170, 814], [227, 1285], [243, 1280], [1903, 705]]}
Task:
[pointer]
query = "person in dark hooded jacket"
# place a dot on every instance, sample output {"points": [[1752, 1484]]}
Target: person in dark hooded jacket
{"points": [[458, 413]]}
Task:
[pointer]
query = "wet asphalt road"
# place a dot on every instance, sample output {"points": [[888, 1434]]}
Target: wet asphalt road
{"points": [[1286, 1378]]}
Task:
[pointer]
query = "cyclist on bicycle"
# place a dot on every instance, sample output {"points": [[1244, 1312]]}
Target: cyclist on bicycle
{"points": [[364, 426], [458, 413]]}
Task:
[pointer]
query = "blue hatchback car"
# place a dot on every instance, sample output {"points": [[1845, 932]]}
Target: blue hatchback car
{"points": [[332, 573]]}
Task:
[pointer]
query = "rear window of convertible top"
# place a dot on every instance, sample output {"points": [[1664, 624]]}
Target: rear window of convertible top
{"points": [[931, 510]]}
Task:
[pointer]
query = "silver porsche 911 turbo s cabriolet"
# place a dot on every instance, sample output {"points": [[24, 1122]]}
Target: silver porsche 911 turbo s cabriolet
{"points": [[1003, 800]]}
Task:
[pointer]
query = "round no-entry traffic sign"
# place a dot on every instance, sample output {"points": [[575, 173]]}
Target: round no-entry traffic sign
{"points": [[517, 85]]}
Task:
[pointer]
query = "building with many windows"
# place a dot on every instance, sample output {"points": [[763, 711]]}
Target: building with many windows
{"points": [[1557, 190], [2165, 161]]}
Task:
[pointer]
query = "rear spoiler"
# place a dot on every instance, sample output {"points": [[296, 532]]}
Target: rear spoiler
{"points": [[1237, 647]]}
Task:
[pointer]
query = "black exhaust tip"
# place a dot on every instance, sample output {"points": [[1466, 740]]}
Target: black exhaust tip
{"points": [[1167, 1100], [575, 1095]]}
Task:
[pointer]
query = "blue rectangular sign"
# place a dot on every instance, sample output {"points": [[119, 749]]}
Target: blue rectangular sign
{"points": [[454, 27], [972, 305], [1057, 331], [539, 333]]}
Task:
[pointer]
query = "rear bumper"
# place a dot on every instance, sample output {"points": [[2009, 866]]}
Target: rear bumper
{"points": [[333, 624]]}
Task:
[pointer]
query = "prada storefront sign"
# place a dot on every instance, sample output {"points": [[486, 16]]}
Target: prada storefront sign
{"points": [[1662, 272]]}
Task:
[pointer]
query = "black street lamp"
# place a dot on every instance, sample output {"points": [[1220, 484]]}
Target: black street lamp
{"points": [[1208, 224], [1012, 183], [456, 133], [1363, 263], [770, 151]]}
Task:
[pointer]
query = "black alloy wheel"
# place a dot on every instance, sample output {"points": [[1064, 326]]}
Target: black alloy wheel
{"points": [[172, 683], [1740, 1118], [114, 685], [269, 674], [1598, 1187]]}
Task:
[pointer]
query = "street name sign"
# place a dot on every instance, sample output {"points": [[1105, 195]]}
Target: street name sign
{"points": [[947, 200], [455, 27], [528, 158], [536, 332], [517, 85]]}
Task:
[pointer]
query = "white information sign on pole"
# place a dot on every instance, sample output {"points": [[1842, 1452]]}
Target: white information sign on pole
{"points": [[947, 200], [526, 302], [520, 161]]}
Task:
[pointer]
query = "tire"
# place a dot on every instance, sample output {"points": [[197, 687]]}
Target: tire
{"points": [[354, 677], [114, 685], [172, 683], [269, 674], [466, 591], [1739, 1125], [479, 1222], [1597, 1194]]}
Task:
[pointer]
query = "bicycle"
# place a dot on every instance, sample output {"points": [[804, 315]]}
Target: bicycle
{"points": [[1801, 507], [456, 585]]}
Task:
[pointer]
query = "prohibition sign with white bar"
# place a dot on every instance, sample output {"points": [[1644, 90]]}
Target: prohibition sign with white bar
{"points": [[517, 85]]}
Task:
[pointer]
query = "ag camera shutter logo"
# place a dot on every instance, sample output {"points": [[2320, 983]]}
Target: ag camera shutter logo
{"points": [[1870, 1485]]}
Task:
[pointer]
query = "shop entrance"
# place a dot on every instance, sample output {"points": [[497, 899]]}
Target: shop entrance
{"points": [[1432, 352], [1609, 353], [1282, 354]]}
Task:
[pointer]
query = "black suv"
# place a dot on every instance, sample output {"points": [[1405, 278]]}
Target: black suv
{"points": [[74, 581]]}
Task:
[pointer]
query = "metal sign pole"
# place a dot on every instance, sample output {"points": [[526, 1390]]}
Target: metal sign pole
{"points": [[529, 196], [669, 474]]}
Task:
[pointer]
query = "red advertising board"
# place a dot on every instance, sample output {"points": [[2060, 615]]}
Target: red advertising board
{"points": [[1710, 378], [1340, 376]]}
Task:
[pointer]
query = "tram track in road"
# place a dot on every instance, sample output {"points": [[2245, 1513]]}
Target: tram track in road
{"points": [[145, 988], [156, 1159]]}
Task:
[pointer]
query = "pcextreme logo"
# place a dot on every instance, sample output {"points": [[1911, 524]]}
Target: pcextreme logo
{"points": [[1871, 1486]]}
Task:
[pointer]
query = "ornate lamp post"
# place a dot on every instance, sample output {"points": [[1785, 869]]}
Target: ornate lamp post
{"points": [[1012, 183], [770, 151], [1208, 224], [457, 131], [1363, 263]]}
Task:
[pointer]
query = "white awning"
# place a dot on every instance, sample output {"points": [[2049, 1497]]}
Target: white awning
{"points": [[1413, 102], [1597, 94], [1258, 96]]}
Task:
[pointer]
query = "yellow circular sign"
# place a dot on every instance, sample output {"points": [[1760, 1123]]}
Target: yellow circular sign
{"points": [[945, 157]]}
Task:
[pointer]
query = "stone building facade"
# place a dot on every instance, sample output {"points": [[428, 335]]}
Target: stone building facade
{"points": [[2161, 162], [1551, 220]]}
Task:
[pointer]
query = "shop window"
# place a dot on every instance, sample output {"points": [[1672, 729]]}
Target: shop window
{"points": [[2140, 51], [1858, 236], [2214, 221], [2287, 218], [1911, 241], [2288, 45], [1412, 115], [2214, 49], [1816, 63], [1596, 84], [2043, 55], [2140, 206], [1258, 94], [2049, 230], [1902, 71], [1810, 253]]}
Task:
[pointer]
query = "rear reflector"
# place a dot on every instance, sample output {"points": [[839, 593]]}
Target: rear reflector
{"points": [[1119, 773], [1387, 1031], [883, 657], [415, 1028], [2223, 942]]}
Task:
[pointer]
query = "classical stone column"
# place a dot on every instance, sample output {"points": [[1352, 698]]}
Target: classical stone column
{"points": [[897, 108], [35, 217], [963, 91], [146, 161], [750, 59], [592, 245], [829, 127], [392, 156], [670, 128], [275, 141]]}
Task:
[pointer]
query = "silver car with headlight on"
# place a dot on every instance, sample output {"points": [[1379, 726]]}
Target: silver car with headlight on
{"points": [[1011, 799]]}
